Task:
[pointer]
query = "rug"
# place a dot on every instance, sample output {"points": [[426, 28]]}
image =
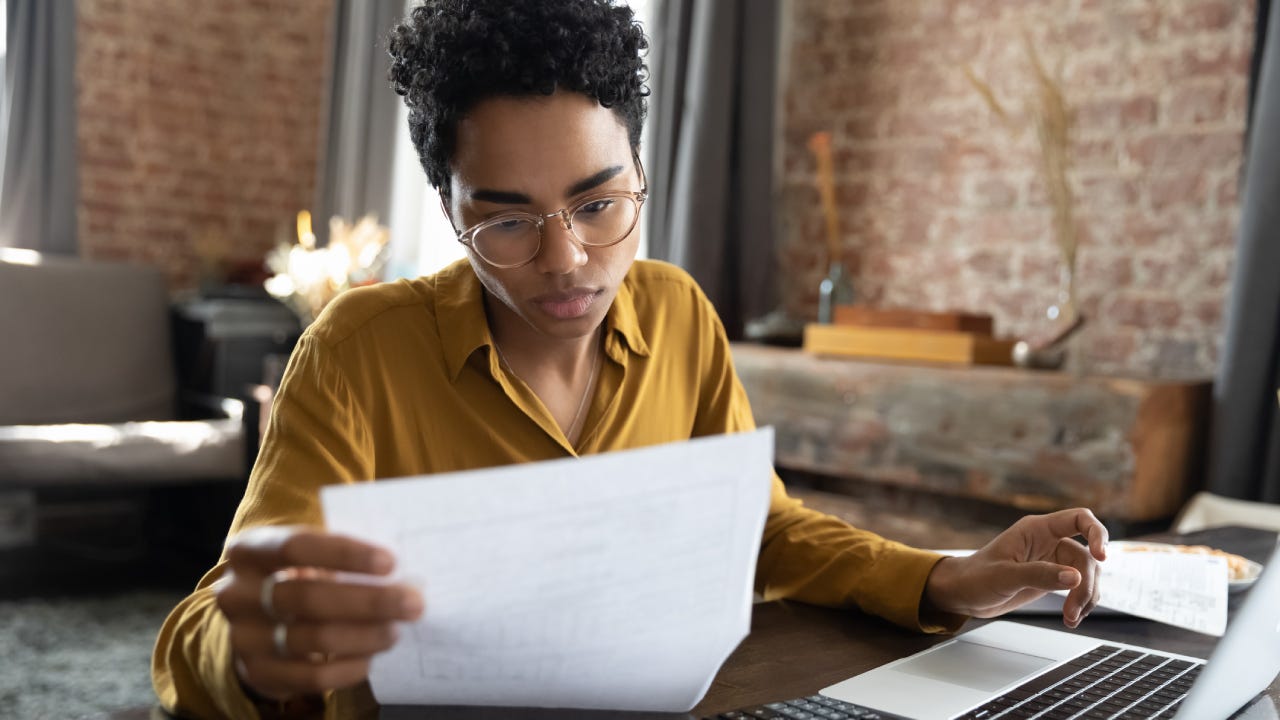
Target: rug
{"points": [[68, 657]]}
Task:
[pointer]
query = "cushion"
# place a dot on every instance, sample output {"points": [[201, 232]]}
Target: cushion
{"points": [[124, 453], [84, 342]]}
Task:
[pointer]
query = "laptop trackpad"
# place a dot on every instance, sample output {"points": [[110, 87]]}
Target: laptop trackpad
{"points": [[974, 666]]}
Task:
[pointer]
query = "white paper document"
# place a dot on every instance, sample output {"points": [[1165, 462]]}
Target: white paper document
{"points": [[616, 581], [1188, 591]]}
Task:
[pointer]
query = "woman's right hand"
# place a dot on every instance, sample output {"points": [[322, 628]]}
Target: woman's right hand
{"points": [[297, 628]]}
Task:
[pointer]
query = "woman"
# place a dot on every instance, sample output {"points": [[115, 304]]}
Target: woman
{"points": [[549, 340]]}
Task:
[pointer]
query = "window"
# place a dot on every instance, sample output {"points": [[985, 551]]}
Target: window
{"points": [[4, 92], [422, 241]]}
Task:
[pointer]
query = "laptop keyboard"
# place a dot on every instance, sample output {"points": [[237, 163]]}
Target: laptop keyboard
{"points": [[1107, 682], [814, 707]]}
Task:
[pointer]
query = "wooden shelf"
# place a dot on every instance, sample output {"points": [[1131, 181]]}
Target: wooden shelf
{"points": [[1039, 441]]}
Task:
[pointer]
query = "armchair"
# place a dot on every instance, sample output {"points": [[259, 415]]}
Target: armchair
{"points": [[90, 411]]}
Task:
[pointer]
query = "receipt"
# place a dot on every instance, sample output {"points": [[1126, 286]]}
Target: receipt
{"points": [[1180, 589]]}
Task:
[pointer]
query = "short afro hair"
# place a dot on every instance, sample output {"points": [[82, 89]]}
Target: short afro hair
{"points": [[449, 55]]}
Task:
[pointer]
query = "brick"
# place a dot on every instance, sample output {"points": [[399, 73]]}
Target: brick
{"points": [[1108, 271], [1106, 190], [1214, 61], [992, 264], [1185, 149], [991, 192], [1228, 190], [1208, 312], [1140, 23], [1176, 357], [1178, 189], [1039, 267], [1112, 347], [1088, 33], [1143, 229], [1160, 270], [913, 193], [1095, 154], [1195, 18], [1144, 312], [1202, 103], [923, 158], [1113, 114], [1086, 73]]}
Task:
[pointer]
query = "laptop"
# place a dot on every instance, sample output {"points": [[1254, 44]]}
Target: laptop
{"points": [[1008, 670]]}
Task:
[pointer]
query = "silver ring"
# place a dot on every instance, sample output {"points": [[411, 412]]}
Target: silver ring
{"points": [[281, 637], [266, 595]]}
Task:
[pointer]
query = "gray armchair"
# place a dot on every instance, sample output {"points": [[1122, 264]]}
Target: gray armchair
{"points": [[89, 401]]}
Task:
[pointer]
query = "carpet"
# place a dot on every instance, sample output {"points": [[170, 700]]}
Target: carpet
{"points": [[66, 657]]}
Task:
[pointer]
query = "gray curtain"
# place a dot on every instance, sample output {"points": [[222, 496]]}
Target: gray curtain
{"points": [[358, 132], [1245, 458], [39, 184], [710, 161]]}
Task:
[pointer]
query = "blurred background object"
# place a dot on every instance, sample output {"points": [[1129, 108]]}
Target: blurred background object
{"points": [[307, 277]]}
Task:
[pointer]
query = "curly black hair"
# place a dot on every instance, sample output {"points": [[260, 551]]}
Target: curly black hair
{"points": [[449, 55]]}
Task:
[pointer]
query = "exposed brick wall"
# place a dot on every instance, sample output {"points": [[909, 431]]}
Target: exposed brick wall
{"points": [[943, 206], [198, 126]]}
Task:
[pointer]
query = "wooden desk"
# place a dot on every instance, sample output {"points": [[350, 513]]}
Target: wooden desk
{"points": [[795, 650]]}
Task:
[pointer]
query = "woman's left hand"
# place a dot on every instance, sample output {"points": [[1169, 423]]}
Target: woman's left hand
{"points": [[1035, 556]]}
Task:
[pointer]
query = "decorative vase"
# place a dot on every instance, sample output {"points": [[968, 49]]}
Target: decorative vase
{"points": [[836, 289], [1065, 309]]}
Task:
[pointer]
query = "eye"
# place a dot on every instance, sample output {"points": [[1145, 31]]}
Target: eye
{"points": [[596, 207], [510, 225]]}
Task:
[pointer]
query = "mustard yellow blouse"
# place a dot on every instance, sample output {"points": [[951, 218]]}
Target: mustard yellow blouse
{"points": [[400, 379]]}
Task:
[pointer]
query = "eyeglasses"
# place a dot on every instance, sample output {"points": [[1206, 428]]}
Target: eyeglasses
{"points": [[513, 239]]}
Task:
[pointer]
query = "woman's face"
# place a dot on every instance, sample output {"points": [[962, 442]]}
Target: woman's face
{"points": [[539, 155]]}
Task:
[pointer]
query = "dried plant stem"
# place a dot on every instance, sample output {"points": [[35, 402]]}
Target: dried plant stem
{"points": [[1053, 130], [1052, 120]]}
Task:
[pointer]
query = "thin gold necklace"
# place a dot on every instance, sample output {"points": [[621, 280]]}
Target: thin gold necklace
{"points": [[586, 392]]}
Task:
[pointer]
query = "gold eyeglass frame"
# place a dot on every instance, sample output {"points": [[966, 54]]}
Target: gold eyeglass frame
{"points": [[466, 237]]}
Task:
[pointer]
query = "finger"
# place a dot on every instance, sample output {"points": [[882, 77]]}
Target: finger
{"points": [[1081, 599], [314, 595], [1041, 576], [279, 679], [306, 640], [1080, 521], [323, 600], [269, 548], [1023, 597]]}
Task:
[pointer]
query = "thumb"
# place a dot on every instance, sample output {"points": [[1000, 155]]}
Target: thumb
{"points": [[1044, 576]]}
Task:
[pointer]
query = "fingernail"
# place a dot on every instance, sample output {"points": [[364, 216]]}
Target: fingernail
{"points": [[1066, 577], [383, 561], [411, 604]]}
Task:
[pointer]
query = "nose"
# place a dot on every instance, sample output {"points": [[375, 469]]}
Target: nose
{"points": [[561, 253]]}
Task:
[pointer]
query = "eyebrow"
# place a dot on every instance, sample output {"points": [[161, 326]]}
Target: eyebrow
{"points": [[508, 197]]}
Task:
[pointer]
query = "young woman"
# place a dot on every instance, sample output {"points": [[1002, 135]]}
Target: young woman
{"points": [[549, 340]]}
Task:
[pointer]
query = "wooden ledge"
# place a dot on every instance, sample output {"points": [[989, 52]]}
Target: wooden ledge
{"points": [[1038, 441]]}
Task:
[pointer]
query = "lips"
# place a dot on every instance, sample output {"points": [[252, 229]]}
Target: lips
{"points": [[569, 304]]}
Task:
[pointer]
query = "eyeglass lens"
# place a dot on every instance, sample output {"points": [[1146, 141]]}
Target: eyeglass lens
{"points": [[600, 222]]}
